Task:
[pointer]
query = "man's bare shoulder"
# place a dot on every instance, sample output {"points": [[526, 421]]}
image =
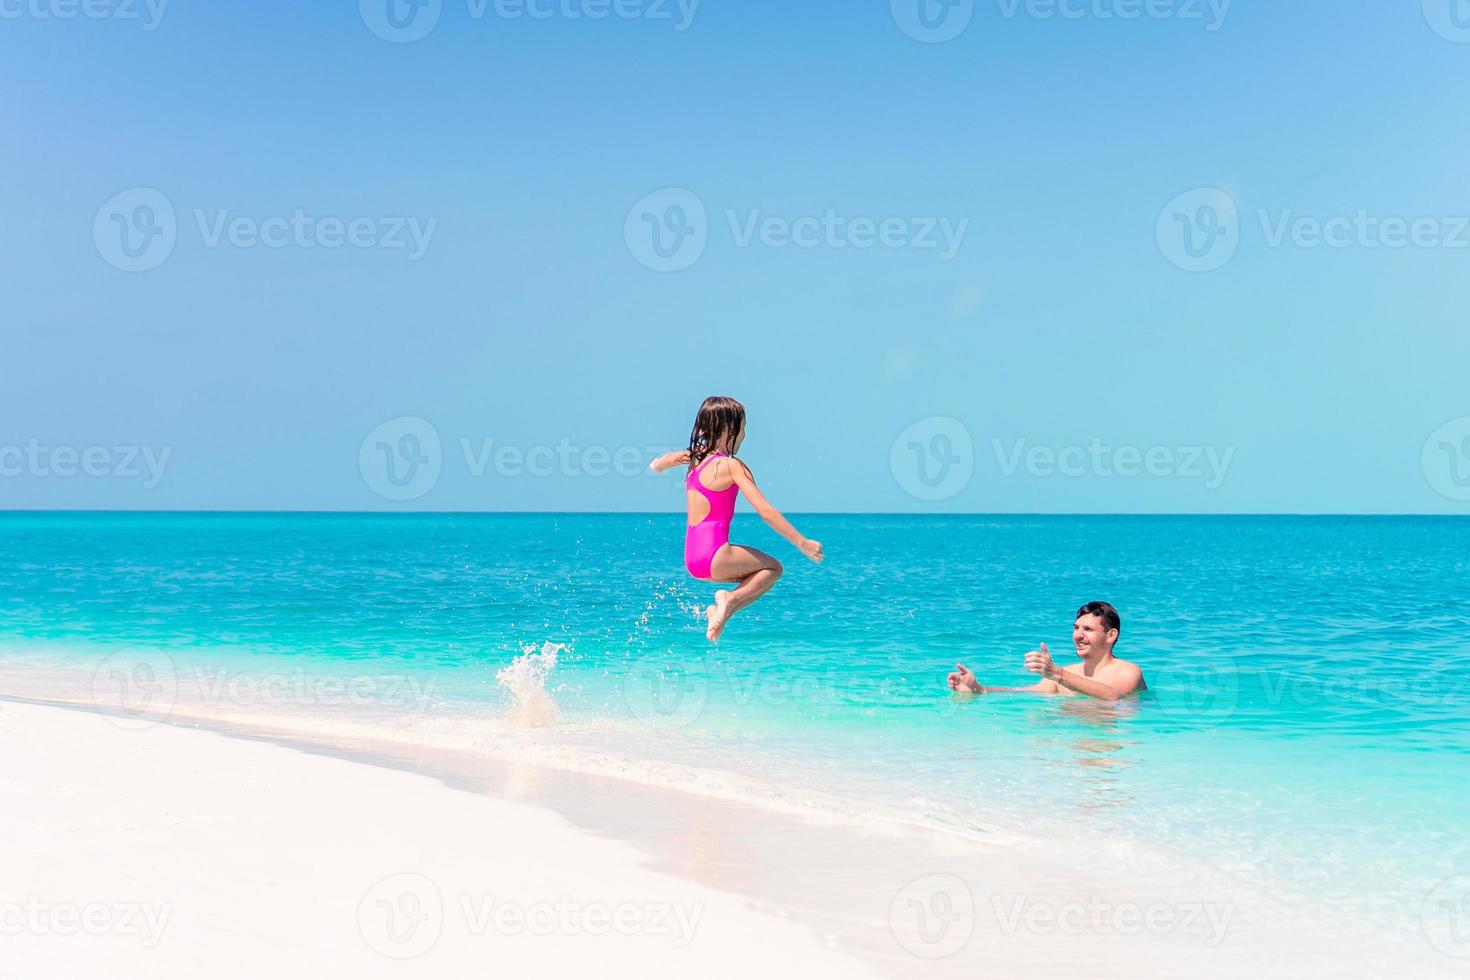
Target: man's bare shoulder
{"points": [[1126, 673], [1121, 673]]}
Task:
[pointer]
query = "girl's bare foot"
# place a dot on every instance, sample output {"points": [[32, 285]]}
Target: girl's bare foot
{"points": [[718, 615]]}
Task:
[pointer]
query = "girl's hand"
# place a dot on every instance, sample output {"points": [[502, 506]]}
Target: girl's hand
{"points": [[669, 460], [812, 549]]}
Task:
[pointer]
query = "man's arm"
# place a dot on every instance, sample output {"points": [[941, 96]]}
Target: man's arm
{"points": [[962, 681], [1123, 681]]}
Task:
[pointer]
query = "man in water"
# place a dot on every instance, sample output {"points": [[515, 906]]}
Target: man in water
{"points": [[1100, 674]]}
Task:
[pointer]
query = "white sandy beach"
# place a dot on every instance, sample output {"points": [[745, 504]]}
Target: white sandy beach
{"points": [[172, 852], [177, 851]]}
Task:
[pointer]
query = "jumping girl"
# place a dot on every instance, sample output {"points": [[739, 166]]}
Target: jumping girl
{"points": [[715, 479]]}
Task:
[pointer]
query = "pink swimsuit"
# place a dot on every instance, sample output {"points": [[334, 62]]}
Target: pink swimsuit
{"points": [[707, 537]]}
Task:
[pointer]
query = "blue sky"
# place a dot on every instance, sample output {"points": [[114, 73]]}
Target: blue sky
{"points": [[993, 308]]}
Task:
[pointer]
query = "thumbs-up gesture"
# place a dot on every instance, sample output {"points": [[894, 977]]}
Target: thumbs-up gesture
{"points": [[1039, 662]]}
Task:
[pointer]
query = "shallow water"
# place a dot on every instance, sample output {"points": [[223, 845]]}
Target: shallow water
{"points": [[1307, 724]]}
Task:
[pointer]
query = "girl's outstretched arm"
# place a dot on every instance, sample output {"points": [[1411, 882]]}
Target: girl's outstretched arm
{"points": [[746, 482], [669, 460]]}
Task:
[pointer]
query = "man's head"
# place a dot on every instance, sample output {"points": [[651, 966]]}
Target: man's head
{"points": [[1096, 629]]}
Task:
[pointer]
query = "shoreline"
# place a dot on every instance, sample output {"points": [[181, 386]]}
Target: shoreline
{"points": [[857, 891]]}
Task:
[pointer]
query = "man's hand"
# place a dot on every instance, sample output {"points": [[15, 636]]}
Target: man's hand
{"points": [[1039, 662], [964, 682]]}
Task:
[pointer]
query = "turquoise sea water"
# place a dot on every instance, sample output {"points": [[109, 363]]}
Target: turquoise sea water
{"points": [[1307, 724]]}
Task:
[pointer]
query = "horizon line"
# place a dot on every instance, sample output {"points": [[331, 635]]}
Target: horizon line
{"points": [[661, 513]]}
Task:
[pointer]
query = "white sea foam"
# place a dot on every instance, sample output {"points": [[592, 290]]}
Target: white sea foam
{"points": [[525, 680]]}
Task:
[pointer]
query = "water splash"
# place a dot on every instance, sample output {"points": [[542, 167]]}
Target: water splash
{"points": [[525, 680]]}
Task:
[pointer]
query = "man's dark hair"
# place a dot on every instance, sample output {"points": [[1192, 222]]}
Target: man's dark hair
{"points": [[1106, 611]]}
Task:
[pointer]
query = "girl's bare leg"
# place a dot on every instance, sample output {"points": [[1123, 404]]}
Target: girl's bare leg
{"points": [[756, 572]]}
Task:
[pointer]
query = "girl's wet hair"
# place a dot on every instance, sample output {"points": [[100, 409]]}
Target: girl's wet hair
{"points": [[719, 421]]}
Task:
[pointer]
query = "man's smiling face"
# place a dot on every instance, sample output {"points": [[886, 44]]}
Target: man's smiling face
{"points": [[1090, 635]]}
